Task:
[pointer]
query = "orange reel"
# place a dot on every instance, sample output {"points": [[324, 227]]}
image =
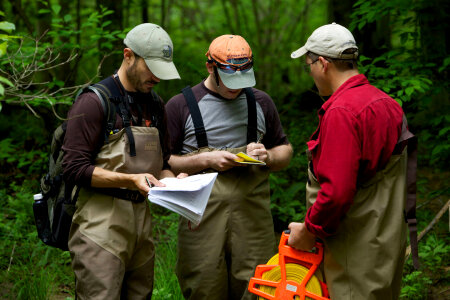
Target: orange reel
{"points": [[294, 276]]}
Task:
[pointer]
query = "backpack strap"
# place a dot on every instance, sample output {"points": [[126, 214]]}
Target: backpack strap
{"points": [[200, 132], [252, 124], [109, 110]]}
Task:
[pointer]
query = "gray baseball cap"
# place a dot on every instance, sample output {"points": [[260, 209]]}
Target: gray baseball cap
{"points": [[154, 45], [329, 40]]}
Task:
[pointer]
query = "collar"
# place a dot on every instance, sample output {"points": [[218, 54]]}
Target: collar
{"points": [[352, 82]]}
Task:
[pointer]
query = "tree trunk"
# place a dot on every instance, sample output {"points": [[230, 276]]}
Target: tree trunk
{"points": [[113, 61], [19, 15], [43, 20], [64, 72], [144, 10]]}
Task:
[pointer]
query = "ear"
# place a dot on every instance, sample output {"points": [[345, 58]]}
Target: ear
{"points": [[325, 63], [128, 55], [210, 67]]}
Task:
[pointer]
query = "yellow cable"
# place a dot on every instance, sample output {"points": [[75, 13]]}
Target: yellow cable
{"points": [[274, 261], [294, 272]]}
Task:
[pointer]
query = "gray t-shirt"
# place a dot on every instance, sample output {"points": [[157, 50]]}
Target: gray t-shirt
{"points": [[225, 121]]}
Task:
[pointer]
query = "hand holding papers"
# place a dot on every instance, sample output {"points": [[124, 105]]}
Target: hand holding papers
{"points": [[187, 196], [245, 159]]}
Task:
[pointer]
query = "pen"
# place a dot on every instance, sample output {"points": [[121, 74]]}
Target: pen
{"points": [[148, 182], [259, 141], [260, 138]]}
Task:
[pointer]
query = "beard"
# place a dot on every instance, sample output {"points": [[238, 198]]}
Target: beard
{"points": [[136, 82]]}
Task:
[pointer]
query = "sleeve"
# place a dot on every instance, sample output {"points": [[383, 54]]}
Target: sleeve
{"points": [[275, 135], [175, 122], [165, 141], [82, 139], [336, 164]]}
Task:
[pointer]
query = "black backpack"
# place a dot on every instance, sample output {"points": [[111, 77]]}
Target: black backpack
{"points": [[54, 217]]}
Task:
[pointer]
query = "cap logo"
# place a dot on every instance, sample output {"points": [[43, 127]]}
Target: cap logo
{"points": [[167, 51]]}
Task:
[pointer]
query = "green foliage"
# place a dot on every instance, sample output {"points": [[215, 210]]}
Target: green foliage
{"points": [[36, 69], [4, 40], [165, 235], [411, 73], [35, 270], [433, 255], [416, 286]]}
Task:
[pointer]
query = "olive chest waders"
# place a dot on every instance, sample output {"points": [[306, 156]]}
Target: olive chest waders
{"points": [[364, 259], [217, 259]]}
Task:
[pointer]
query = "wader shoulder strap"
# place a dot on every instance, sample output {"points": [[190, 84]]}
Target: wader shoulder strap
{"points": [[200, 132], [121, 100], [409, 140], [252, 124], [411, 200]]}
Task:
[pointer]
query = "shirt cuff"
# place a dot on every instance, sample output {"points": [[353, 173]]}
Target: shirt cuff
{"points": [[315, 229]]}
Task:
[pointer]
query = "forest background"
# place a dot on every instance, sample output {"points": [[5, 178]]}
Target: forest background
{"points": [[50, 49]]}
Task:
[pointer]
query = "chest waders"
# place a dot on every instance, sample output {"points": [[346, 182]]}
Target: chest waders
{"points": [[111, 235], [217, 259], [364, 259]]}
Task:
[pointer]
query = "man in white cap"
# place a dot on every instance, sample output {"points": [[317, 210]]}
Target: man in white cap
{"points": [[356, 190], [209, 125], [112, 146]]}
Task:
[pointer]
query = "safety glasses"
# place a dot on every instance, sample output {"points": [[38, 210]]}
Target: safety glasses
{"points": [[230, 69], [307, 67]]}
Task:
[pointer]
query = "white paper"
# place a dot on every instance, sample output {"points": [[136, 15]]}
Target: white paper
{"points": [[187, 196]]}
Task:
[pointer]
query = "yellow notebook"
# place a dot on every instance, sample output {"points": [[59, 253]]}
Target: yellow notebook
{"points": [[245, 159]]}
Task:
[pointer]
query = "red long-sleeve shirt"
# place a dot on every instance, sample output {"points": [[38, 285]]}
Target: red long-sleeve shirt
{"points": [[359, 127]]}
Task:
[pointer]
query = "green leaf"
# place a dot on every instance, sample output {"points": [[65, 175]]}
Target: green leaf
{"points": [[106, 23], [3, 47], [2, 90], [361, 25], [44, 11], [67, 18], [443, 131], [4, 80], [56, 8], [7, 26], [409, 90]]}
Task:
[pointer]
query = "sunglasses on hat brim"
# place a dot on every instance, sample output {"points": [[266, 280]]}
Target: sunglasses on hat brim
{"points": [[230, 69]]}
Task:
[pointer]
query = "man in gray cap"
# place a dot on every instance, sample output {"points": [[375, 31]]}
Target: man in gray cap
{"points": [[113, 151], [356, 190], [220, 117]]}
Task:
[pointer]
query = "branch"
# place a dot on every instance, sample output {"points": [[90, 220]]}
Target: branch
{"points": [[22, 66], [428, 228]]}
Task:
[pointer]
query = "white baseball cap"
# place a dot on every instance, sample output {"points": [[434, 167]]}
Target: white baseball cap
{"points": [[154, 45], [331, 41]]}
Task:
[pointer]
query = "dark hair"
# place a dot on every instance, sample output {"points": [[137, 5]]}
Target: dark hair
{"points": [[341, 64], [136, 55]]}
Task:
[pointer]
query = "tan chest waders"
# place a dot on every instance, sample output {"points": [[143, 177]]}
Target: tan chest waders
{"points": [[364, 259], [121, 228], [216, 260]]}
